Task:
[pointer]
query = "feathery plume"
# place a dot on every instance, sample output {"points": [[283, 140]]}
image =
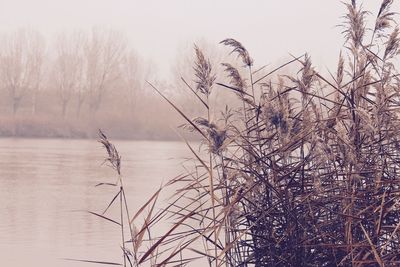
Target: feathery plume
{"points": [[235, 76], [354, 24], [113, 156], [203, 72], [392, 44], [240, 49]]}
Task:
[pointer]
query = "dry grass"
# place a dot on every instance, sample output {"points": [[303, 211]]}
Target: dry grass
{"points": [[304, 172]]}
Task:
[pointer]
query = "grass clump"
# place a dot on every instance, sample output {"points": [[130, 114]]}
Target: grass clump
{"points": [[302, 171]]}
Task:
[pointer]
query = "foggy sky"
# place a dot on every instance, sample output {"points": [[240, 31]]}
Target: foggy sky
{"points": [[157, 29]]}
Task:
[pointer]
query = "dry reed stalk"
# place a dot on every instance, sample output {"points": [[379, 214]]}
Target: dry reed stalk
{"points": [[303, 172]]}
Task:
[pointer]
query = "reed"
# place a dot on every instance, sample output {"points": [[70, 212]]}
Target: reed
{"points": [[303, 172]]}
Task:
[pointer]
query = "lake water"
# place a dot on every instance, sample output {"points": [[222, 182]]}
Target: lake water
{"points": [[45, 185]]}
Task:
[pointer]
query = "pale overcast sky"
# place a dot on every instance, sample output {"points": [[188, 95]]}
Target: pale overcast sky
{"points": [[157, 28]]}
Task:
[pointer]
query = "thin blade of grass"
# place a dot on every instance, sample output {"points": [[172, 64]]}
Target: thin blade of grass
{"points": [[111, 202], [155, 195], [96, 262], [376, 255], [104, 217], [148, 252], [179, 111], [194, 92]]}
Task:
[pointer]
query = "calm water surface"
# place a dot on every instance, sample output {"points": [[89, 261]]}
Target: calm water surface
{"points": [[44, 185]]}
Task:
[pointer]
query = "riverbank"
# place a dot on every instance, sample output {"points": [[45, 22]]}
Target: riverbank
{"points": [[84, 128]]}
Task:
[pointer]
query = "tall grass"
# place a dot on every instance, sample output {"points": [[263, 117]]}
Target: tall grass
{"points": [[303, 172]]}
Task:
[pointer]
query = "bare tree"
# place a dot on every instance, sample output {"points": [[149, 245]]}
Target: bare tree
{"points": [[21, 62], [134, 73], [37, 51], [132, 83], [103, 55], [68, 68]]}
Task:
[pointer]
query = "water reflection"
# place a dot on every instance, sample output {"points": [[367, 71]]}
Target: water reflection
{"points": [[43, 184]]}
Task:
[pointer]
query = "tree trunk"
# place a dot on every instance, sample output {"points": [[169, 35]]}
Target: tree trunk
{"points": [[79, 107], [95, 104], [16, 101], [34, 102], [64, 108]]}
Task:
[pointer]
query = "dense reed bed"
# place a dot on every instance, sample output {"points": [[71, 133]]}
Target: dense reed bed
{"points": [[302, 172]]}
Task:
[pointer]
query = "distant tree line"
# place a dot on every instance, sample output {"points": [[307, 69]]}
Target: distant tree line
{"points": [[78, 78], [80, 65], [84, 80]]}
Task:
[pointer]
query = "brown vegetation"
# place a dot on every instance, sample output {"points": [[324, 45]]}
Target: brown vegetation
{"points": [[303, 172]]}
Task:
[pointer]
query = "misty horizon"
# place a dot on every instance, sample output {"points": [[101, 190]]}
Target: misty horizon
{"points": [[159, 30], [151, 44]]}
